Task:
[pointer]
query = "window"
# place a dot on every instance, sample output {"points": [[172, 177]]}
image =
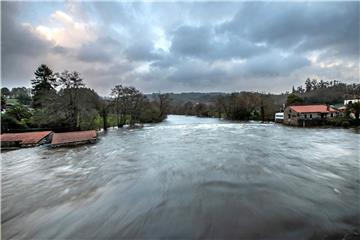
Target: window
{"points": [[331, 115], [305, 116], [310, 115], [289, 116]]}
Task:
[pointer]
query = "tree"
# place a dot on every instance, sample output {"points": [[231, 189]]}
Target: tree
{"points": [[308, 85], [188, 108], [164, 101], [9, 123], [43, 83], [71, 82], [103, 108], [300, 90], [355, 108], [3, 102], [201, 110], [22, 94], [119, 102], [24, 99], [18, 91], [293, 99], [128, 102], [5, 92], [136, 100], [18, 112], [16, 117], [314, 84]]}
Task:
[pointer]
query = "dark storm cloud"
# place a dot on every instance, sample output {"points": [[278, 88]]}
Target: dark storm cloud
{"points": [[204, 42], [21, 49], [60, 50], [142, 51], [272, 65], [90, 54], [303, 26], [197, 74], [192, 41], [189, 45], [17, 39]]}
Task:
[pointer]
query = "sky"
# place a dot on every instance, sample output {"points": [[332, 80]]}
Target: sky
{"points": [[182, 46]]}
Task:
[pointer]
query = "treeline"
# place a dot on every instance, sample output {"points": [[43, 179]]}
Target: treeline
{"points": [[314, 84], [328, 92], [261, 106], [233, 106], [61, 101], [21, 94]]}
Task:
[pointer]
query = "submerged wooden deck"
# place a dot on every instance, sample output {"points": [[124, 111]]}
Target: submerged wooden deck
{"points": [[73, 138]]}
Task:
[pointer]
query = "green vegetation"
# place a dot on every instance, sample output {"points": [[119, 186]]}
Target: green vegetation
{"points": [[261, 106], [294, 99], [61, 101]]}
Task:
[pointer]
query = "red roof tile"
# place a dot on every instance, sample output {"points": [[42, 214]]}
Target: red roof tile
{"points": [[313, 108], [24, 138], [73, 137]]}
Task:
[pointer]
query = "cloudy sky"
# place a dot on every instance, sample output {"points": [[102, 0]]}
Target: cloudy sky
{"points": [[184, 46]]}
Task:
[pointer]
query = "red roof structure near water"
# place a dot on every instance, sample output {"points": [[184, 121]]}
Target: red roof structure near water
{"points": [[322, 108], [26, 138], [73, 137]]}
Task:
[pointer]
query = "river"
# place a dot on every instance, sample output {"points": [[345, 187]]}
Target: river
{"points": [[187, 178]]}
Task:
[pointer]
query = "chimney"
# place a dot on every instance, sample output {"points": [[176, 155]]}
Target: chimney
{"points": [[328, 107]]}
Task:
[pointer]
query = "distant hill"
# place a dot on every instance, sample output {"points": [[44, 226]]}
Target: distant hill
{"points": [[194, 97], [210, 98]]}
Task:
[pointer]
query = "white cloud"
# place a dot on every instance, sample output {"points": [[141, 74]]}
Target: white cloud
{"points": [[64, 31]]}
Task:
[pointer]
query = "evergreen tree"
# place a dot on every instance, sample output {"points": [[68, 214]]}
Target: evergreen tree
{"points": [[308, 85], [43, 85]]}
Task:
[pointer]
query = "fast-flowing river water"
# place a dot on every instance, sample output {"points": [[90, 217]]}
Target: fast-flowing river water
{"points": [[186, 178]]}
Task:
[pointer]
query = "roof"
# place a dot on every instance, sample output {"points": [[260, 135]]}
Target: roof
{"points": [[313, 108], [73, 137], [24, 138]]}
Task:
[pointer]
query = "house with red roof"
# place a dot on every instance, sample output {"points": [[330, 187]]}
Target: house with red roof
{"points": [[308, 115]]}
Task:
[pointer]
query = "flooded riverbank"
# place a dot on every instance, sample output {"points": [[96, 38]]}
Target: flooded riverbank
{"points": [[187, 177]]}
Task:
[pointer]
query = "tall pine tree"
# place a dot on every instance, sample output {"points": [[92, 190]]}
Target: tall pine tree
{"points": [[43, 85]]}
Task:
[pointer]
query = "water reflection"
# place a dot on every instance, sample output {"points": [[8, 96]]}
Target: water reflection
{"points": [[187, 178]]}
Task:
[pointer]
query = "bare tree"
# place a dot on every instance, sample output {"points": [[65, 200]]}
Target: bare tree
{"points": [[128, 102], [164, 101]]}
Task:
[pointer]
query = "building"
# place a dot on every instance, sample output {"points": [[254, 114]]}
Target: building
{"points": [[308, 115], [279, 117], [66, 139], [24, 139], [350, 101]]}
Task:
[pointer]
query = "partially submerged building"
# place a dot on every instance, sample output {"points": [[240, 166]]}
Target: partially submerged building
{"points": [[25, 139], [308, 115], [73, 138]]}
